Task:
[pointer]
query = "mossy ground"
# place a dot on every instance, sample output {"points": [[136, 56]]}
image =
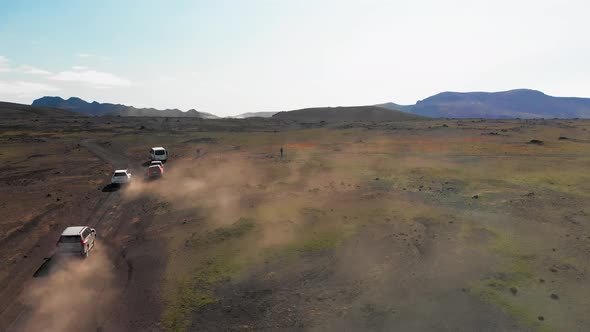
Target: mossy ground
{"points": [[497, 194]]}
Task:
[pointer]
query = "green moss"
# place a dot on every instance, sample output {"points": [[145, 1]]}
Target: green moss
{"points": [[515, 270], [187, 299], [235, 230], [239, 228], [496, 292], [15, 133], [218, 268], [320, 242], [199, 264]]}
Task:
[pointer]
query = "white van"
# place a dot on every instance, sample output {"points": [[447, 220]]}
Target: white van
{"points": [[76, 240], [158, 153]]}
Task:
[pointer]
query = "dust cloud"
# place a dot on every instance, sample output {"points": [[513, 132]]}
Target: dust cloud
{"points": [[75, 295], [215, 185], [225, 187]]}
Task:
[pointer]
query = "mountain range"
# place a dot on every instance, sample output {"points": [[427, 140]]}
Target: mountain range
{"points": [[19, 111], [97, 109], [520, 103], [346, 113]]}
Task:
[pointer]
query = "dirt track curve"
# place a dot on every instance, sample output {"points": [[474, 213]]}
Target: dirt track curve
{"points": [[104, 218]]}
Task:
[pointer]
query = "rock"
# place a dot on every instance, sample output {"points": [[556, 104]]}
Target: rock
{"points": [[475, 196], [536, 141], [541, 280], [554, 297], [48, 195], [563, 138], [541, 318], [513, 290], [376, 179]]}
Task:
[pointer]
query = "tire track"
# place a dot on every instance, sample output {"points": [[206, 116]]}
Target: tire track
{"points": [[97, 219]]}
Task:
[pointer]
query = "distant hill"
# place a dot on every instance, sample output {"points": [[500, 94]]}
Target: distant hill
{"points": [[14, 111], [346, 113], [97, 109], [254, 115], [520, 103]]}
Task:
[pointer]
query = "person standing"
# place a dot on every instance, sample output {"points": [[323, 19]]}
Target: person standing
{"points": [[281, 152]]}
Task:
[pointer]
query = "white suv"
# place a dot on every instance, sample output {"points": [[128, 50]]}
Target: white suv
{"points": [[76, 240], [121, 176], [158, 153]]}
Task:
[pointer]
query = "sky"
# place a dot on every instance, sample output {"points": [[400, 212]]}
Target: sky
{"points": [[231, 57]]}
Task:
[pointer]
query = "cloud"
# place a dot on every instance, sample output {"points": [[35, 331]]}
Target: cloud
{"points": [[89, 55], [4, 67], [21, 89], [33, 70], [90, 76]]}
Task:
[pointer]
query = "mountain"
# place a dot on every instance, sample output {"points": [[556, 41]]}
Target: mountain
{"points": [[96, 109], [521, 103], [346, 113], [254, 115], [15, 111]]}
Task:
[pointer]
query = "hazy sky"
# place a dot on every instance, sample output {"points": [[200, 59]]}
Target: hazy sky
{"points": [[230, 57]]}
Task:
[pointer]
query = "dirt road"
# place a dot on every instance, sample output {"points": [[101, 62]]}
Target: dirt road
{"points": [[106, 218]]}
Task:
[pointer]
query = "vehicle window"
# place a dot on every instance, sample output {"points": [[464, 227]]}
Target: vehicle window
{"points": [[69, 239], [86, 233], [120, 174], [160, 152]]}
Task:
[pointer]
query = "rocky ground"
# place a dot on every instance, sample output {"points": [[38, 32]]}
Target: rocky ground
{"points": [[413, 225]]}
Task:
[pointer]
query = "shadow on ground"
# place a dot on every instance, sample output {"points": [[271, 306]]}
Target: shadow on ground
{"points": [[110, 188]]}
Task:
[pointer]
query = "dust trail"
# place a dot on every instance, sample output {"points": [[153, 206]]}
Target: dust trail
{"points": [[216, 185], [75, 296]]}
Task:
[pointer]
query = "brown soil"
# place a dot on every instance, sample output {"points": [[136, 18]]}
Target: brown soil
{"points": [[407, 247]]}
